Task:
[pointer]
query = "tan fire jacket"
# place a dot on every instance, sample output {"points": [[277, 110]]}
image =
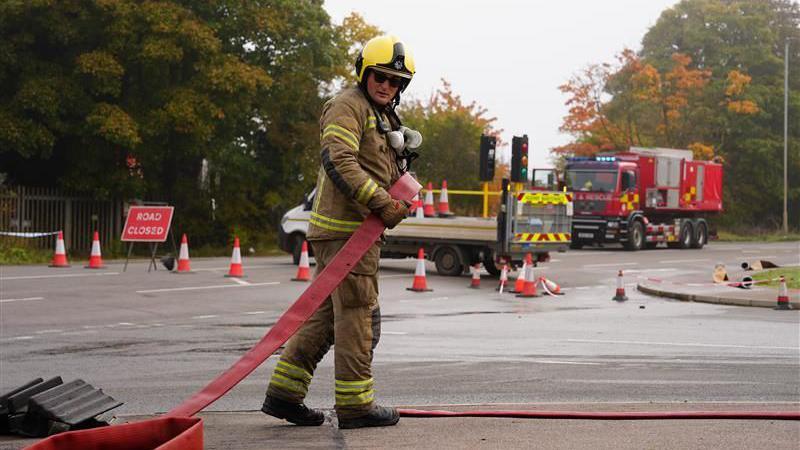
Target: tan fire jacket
{"points": [[358, 166]]}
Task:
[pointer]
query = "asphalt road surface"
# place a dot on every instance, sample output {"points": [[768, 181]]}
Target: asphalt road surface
{"points": [[152, 339]]}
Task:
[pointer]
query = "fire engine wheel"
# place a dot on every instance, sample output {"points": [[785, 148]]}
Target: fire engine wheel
{"points": [[635, 237], [700, 235], [448, 262]]}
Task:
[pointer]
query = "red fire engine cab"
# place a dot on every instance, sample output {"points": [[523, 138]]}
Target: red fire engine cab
{"points": [[643, 197]]}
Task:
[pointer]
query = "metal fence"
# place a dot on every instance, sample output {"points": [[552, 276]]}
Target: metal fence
{"points": [[33, 209]]}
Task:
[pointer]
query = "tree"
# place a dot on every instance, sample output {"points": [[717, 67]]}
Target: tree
{"points": [[708, 78], [450, 150], [194, 103]]}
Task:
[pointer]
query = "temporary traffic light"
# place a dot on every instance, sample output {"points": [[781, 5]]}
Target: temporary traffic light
{"points": [[488, 144], [519, 158]]}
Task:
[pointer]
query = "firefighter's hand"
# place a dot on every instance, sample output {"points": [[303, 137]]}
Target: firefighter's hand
{"points": [[393, 213]]}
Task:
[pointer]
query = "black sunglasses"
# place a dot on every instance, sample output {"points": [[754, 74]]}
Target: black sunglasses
{"points": [[393, 81]]}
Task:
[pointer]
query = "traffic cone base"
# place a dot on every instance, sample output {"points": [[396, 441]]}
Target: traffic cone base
{"points": [[303, 268], [235, 270], [95, 259], [60, 255]]}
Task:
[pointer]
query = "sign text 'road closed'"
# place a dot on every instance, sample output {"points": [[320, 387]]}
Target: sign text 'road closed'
{"points": [[147, 223]]}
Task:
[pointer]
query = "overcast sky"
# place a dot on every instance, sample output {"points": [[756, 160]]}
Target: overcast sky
{"points": [[509, 56]]}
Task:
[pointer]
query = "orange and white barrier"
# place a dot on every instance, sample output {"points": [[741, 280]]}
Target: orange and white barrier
{"points": [[420, 283], [60, 256], [620, 295], [96, 258], [444, 204], [503, 278], [236, 271], [475, 283], [304, 268], [184, 264], [427, 207]]}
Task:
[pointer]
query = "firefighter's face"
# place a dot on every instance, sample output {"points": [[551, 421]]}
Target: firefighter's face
{"points": [[382, 87]]}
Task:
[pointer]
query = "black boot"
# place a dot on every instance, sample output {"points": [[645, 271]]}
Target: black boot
{"points": [[378, 416], [296, 413]]}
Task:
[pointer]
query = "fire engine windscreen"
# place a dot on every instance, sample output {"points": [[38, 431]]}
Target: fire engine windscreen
{"points": [[595, 181]]}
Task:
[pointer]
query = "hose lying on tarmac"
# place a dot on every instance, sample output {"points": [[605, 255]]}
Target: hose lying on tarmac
{"points": [[610, 415], [177, 430]]}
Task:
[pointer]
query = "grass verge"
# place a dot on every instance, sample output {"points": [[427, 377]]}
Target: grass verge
{"points": [[792, 275], [756, 236]]}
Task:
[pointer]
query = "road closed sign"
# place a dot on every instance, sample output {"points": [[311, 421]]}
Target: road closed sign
{"points": [[147, 224]]}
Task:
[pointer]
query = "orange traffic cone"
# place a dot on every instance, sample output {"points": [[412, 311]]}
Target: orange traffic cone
{"points": [[427, 207], [95, 259], [420, 282], [529, 288], [520, 282], [304, 268], [620, 296], [476, 277], [444, 204], [416, 204], [783, 296], [549, 286], [60, 256], [184, 265], [503, 278], [235, 270]]}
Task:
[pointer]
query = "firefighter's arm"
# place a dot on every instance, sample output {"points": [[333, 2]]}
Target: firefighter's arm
{"points": [[342, 128]]}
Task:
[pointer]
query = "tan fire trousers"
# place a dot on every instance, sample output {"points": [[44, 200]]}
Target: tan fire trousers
{"points": [[350, 319]]}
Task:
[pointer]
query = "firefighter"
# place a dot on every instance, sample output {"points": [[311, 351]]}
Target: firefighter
{"points": [[358, 166]]}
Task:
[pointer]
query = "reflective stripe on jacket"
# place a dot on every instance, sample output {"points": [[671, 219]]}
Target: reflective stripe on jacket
{"points": [[358, 166]]}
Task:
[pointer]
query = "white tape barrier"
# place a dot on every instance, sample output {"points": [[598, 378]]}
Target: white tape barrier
{"points": [[27, 235]]}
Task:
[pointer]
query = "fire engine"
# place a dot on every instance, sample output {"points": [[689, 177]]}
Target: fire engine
{"points": [[643, 197]]}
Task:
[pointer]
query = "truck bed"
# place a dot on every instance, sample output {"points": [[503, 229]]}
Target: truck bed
{"points": [[463, 229]]}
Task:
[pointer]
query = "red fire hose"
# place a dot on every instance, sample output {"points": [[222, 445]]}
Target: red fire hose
{"points": [[178, 430]]}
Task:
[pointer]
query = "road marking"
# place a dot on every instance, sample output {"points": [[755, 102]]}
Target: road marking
{"points": [[670, 261], [49, 331], [668, 269], [215, 269], [253, 313], [574, 363], [242, 282], [21, 338], [27, 299], [681, 344], [610, 265], [69, 275], [438, 298], [209, 316], [397, 333], [197, 288]]}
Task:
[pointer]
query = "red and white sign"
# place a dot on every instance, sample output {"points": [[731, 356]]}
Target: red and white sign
{"points": [[147, 224]]}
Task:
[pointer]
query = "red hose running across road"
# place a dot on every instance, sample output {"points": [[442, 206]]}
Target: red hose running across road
{"points": [[610, 415]]}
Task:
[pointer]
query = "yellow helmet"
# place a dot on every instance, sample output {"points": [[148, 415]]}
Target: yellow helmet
{"points": [[387, 54]]}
